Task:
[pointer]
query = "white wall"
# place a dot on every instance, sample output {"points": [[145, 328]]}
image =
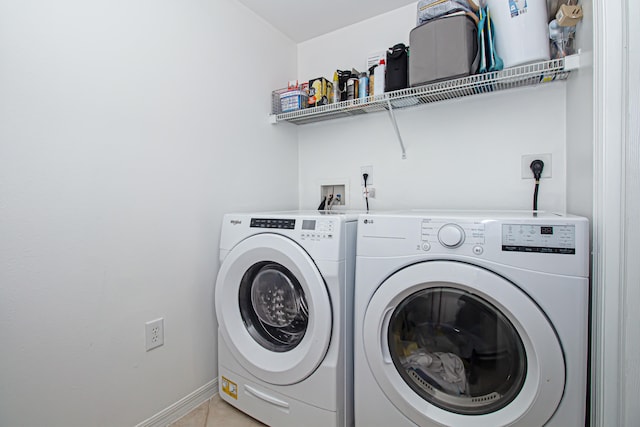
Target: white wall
{"points": [[126, 130], [464, 153]]}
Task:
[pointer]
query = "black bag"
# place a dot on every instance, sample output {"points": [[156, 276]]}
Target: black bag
{"points": [[343, 76], [397, 76]]}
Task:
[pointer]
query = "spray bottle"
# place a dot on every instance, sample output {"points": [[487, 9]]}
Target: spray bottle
{"points": [[372, 79], [336, 88], [378, 81]]}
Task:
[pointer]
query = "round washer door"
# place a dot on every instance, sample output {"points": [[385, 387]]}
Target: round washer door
{"points": [[273, 309], [454, 344]]}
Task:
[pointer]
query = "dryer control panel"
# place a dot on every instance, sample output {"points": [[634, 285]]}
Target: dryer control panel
{"points": [[545, 242], [452, 235], [545, 238]]}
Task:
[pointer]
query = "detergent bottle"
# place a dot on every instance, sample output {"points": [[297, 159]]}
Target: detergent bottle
{"points": [[378, 80]]}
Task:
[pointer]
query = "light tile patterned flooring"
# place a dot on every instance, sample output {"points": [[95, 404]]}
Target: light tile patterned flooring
{"points": [[216, 412]]}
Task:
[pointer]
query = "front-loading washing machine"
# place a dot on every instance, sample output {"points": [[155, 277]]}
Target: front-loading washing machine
{"points": [[284, 301], [471, 319]]}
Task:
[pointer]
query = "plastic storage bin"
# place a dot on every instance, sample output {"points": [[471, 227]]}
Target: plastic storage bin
{"points": [[286, 100], [521, 30]]}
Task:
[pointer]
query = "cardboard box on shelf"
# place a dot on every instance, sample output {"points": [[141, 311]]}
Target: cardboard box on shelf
{"points": [[320, 92]]}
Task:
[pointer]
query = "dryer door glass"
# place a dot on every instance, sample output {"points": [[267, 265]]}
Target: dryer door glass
{"points": [[273, 306], [457, 351]]}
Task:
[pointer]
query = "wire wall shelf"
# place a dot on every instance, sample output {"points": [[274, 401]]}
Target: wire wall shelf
{"points": [[526, 75]]}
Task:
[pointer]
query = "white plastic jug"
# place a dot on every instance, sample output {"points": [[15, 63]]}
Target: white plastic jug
{"points": [[521, 30]]}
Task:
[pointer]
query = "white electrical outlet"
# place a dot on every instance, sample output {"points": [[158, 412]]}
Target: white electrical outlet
{"points": [[154, 333], [526, 165], [369, 171]]}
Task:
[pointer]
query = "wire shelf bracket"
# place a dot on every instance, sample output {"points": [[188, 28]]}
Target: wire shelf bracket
{"points": [[395, 126]]}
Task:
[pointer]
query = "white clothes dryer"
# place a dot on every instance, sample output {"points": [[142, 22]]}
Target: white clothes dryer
{"points": [[471, 319], [284, 301]]}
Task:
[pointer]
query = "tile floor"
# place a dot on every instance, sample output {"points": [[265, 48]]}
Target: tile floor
{"points": [[216, 412]]}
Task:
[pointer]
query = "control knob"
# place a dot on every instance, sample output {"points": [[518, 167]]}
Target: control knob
{"points": [[451, 235]]}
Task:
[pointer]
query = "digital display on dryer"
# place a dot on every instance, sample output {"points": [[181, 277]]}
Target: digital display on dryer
{"points": [[552, 239]]}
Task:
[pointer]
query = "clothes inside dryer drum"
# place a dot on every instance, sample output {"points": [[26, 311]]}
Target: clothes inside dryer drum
{"points": [[457, 351], [273, 306]]}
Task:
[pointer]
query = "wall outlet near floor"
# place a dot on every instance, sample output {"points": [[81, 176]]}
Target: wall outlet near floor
{"points": [[526, 165], [154, 333]]}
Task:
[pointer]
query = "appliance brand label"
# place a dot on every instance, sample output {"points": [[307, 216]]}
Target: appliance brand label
{"points": [[236, 222]]}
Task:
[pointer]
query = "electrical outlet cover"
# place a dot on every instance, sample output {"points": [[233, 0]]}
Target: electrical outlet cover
{"points": [[526, 165], [154, 333]]}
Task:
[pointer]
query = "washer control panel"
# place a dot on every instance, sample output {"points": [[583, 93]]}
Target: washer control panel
{"points": [[309, 229], [548, 238], [437, 233], [281, 223], [317, 229]]}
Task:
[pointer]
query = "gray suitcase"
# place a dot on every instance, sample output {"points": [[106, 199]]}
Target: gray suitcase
{"points": [[444, 48]]}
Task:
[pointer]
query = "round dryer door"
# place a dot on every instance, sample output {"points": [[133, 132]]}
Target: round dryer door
{"points": [[454, 344], [273, 309]]}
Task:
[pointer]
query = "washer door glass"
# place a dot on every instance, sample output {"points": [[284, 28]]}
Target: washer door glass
{"points": [[454, 344], [273, 306], [457, 351]]}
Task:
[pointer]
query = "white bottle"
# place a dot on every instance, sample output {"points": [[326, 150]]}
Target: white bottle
{"points": [[378, 81]]}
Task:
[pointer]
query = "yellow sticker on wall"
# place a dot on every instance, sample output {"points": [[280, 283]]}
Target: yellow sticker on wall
{"points": [[230, 388]]}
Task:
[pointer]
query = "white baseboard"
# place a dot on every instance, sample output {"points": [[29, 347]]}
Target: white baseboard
{"points": [[182, 406]]}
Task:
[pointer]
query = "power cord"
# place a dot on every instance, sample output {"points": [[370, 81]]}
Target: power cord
{"points": [[536, 167], [322, 204], [366, 191]]}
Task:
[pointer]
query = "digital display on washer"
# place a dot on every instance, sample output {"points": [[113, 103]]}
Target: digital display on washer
{"points": [[287, 224], [552, 239], [308, 224]]}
